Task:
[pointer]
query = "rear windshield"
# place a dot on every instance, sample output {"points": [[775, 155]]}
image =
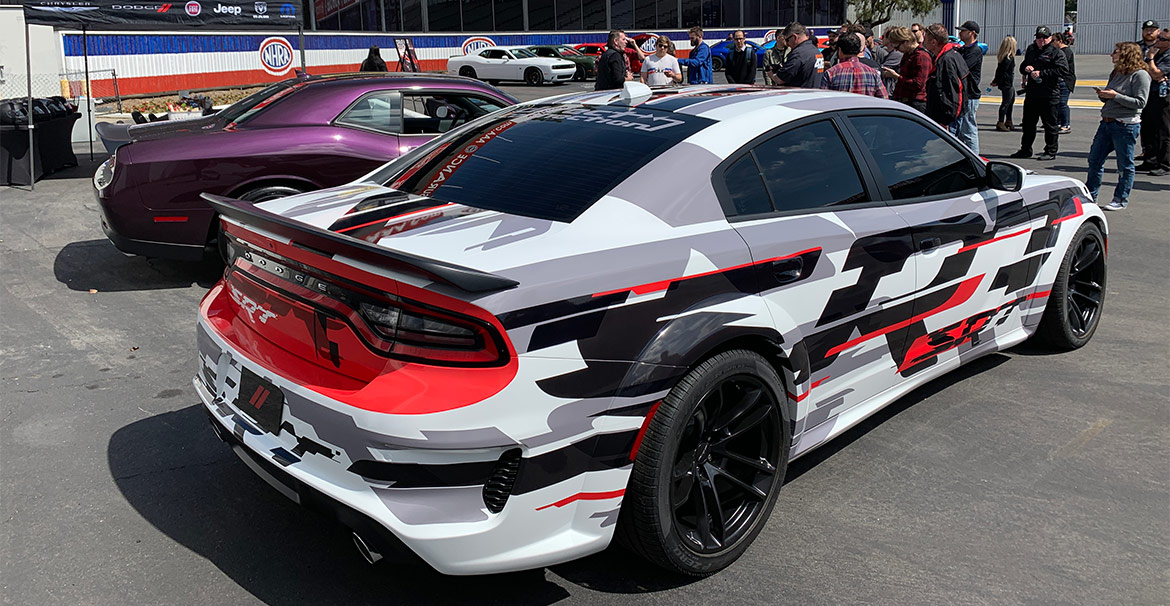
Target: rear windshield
{"points": [[548, 162], [245, 108]]}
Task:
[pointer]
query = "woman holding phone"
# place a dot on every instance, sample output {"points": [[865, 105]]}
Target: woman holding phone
{"points": [[1121, 117], [661, 68]]}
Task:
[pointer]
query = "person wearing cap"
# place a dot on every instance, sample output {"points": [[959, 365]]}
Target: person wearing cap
{"points": [[1156, 114], [965, 127], [1043, 68], [1149, 36]]}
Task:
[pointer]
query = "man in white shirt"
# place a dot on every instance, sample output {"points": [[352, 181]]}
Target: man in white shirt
{"points": [[661, 68]]}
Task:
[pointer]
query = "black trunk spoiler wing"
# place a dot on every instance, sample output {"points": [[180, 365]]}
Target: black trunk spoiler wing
{"points": [[321, 240]]}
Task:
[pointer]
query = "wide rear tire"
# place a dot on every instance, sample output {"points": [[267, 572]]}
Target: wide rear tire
{"points": [[709, 468], [1078, 294], [467, 71]]}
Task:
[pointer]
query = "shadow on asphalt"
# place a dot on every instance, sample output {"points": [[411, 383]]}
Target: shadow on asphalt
{"points": [[96, 264], [184, 481], [802, 465]]}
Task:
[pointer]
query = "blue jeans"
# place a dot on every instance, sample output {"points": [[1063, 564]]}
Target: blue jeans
{"points": [[1113, 137], [1063, 119], [964, 127]]}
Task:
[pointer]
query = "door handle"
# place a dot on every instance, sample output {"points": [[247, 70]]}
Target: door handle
{"points": [[929, 244], [787, 271]]}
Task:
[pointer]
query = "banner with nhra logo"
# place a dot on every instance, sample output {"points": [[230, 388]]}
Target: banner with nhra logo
{"points": [[126, 14]]}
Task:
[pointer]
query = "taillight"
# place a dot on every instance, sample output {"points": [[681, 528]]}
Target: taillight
{"points": [[386, 323], [429, 334]]}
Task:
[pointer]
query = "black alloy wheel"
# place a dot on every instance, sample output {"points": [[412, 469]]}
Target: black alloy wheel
{"points": [[579, 75], [467, 71], [533, 76], [725, 464], [709, 467], [1078, 294]]}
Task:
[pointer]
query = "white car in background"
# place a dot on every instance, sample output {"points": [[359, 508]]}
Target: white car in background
{"points": [[497, 63]]}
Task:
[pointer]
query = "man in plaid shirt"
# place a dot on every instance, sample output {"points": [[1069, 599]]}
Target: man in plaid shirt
{"points": [[850, 75]]}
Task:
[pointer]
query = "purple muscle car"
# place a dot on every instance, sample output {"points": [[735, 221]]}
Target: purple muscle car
{"points": [[294, 136]]}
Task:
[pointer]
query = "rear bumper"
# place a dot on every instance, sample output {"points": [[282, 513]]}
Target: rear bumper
{"points": [[195, 222], [437, 512]]}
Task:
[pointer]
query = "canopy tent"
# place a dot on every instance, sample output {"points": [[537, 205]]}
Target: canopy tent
{"points": [[86, 15]]}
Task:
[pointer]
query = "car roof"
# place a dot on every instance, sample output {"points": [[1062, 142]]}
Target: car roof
{"points": [[721, 102]]}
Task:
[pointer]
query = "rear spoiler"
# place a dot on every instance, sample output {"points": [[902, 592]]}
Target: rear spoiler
{"points": [[315, 238]]}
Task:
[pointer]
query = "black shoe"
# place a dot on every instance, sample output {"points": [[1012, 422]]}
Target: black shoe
{"points": [[1021, 154], [1159, 172], [1046, 156], [1144, 166]]}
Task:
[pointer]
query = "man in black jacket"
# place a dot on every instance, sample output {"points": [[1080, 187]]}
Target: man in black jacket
{"points": [[804, 65], [944, 87], [1043, 68], [741, 62], [612, 69], [965, 128]]}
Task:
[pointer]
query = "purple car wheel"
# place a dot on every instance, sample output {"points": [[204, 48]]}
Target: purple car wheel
{"points": [[709, 467]]}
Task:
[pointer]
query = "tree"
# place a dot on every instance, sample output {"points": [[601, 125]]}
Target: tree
{"points": [[876, 12]]}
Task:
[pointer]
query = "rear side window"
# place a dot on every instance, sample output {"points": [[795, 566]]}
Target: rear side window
{"points": [[805, 168], [808, 167], [746, 187], [506, 161], [380, 111], [915, 161]]}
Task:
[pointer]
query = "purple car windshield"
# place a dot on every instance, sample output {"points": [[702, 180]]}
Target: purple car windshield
{"points": [[508, 161]]}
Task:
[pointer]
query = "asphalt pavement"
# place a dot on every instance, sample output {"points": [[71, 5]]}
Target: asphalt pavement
{"points": [[1027, 477]]}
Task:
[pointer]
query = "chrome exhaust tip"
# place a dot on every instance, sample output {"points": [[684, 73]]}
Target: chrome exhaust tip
{"points": [[369, 555]]}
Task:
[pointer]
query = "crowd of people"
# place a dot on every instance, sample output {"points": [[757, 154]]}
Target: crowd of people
{"points": [[922, 67]]}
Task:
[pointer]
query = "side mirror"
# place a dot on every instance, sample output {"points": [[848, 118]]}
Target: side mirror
{"points": [[1004, 176]]}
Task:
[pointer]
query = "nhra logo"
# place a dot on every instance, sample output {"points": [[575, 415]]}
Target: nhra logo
{"points": [[276, 56], [227, 10], [770, 36], [193, 8], [476, 44], [288, 11], [649, 45], [261, 10]]}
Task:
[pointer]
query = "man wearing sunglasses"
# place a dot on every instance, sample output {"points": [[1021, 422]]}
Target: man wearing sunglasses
{"points": [[741, 62], [804, 65], [1156, 114], [1043, 68]]}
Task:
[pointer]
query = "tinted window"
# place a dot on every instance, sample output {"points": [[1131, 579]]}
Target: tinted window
{"points": [[434, 113], [808, 167], [380, 111], [746, 187], [491, 165], [249, 106], [913, 159]]}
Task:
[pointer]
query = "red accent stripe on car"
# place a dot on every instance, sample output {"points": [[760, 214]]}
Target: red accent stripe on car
{"points": [[642, 431], [962, 293], [585, 496], [986, 242], [650, 287], [174, 219], [1039, 295], [804, 395], [389, 219], [1076, 213]]}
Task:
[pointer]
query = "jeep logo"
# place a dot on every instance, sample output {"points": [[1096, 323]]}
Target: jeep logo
{"points": [[227, 10]]}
